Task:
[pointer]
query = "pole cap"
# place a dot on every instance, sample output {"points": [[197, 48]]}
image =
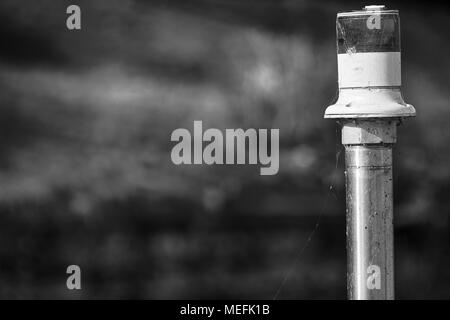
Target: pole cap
{"points": [[369, 65], [375, 7]]}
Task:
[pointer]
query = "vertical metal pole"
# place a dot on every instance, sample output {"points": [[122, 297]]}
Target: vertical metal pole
{"points": [[369, 107], [370, 241]]}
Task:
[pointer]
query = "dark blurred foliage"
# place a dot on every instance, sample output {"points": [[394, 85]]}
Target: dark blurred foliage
{"points": [[85, 170]]}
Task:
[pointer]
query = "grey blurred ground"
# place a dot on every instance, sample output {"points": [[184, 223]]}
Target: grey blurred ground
{"points": [[85, 170]]}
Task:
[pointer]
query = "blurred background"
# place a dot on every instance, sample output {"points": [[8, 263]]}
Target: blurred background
{"points": [[86, 176]]}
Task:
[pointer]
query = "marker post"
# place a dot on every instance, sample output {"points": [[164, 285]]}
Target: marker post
{"points": [[369, 108]]}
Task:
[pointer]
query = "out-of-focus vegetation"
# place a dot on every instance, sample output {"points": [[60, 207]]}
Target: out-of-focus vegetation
{"points": [[85, 170]]}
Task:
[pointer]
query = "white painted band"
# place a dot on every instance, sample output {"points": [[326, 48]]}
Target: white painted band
{"points": [[369, 69]]}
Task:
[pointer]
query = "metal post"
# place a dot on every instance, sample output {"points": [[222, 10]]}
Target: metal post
{"points": [[370, 106], [370, 241]]}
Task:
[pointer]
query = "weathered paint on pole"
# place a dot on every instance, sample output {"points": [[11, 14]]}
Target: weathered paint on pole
{"points": [[369, 108]]}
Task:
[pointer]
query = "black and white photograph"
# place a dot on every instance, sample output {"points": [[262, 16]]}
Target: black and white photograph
{"points": [[224, 150]]}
